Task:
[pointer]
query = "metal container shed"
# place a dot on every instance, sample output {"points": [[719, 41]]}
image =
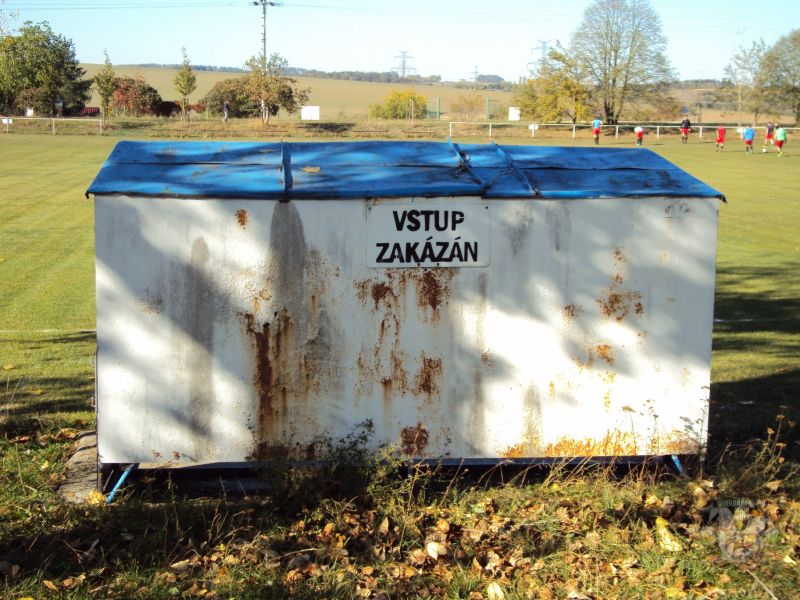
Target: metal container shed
{"points": [[473, 302]]}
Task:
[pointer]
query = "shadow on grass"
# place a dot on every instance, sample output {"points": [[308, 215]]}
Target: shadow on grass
{"points": [[327, 128], [741, 411], [750, 312], [757, 323], [31, 403]]}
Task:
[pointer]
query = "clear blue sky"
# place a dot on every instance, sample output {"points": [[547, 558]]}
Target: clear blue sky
{"points": [[450, 38]]}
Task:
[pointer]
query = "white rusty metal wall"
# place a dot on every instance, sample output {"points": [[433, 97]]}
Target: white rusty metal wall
{"points": [[229, 329]]}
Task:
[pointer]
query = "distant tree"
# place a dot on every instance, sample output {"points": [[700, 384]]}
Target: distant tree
{"points": [[105, 82], [781, 72], [622, 49], [43, 65], [405, 104], [185, 83], [558, 91], [133, 97], [271, 89], [236, 92], [744, 83]]}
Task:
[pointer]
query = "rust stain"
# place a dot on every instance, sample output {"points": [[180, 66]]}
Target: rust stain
{"points": [[362, 290], [241, 217], [619, 256], [618, 303], [414, 440], [381, 291], [262, 376], [605, 352], [552, 389], [571, 311], [262, 296], [609, 377], [273, 372], [614, 443], [485, 357], [515, 451], [607, 400], [639, 308], [433, 287], [678, 443], [426, 379]]}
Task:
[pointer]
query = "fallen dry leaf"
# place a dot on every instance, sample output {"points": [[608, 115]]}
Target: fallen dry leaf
{"points": [[50, 585], [180, 566], [383, 528], [9, 367], [95, 498], [495, 592], [436, 549]]}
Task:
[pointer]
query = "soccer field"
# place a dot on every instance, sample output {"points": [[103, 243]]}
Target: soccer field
{"points": [[47, 292]]}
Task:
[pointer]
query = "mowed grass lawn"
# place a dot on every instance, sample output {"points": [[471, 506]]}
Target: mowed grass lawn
{"points": [[47, 291], [46, 365]]}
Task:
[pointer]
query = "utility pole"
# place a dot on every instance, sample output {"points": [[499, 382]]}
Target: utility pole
{"points": [[264, 4]]}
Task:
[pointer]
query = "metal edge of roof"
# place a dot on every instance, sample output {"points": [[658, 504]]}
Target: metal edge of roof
{"points": [[283, 171]]}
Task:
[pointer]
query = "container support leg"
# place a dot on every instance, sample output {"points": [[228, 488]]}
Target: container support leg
{"points": [[120, 481]]}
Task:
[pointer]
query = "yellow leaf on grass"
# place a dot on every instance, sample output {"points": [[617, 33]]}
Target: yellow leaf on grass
{"points": [[9, 367], [95, 498], [789, 560], [36, 392], [773, 486], [495, 592], [666, 540], [50, 585]]}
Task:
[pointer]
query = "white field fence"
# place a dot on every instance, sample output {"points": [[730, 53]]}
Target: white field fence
{"points": [[50, 125], [584, 131]]}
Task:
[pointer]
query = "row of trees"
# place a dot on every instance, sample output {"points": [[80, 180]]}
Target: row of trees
{"points": [[39, 70], [616, 65], [760, 79]]}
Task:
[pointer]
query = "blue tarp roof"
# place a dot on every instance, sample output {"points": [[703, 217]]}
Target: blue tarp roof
{"points": [[338, 170]]}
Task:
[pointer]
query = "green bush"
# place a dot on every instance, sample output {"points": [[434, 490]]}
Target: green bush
{"points": [[405, 104], [235, 91]]}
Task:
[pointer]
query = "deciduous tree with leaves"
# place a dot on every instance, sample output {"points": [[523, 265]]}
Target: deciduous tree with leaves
{"points": [[781, 72], [622, 49], [271, 90], [185, 83], [559, 91], [40, 64], [105, 82]]}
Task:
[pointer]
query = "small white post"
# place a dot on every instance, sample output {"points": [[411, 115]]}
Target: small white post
{"points": [[451, 129], [533, 130], [573, 131], [658, 132], [54, 126], [490, 130], [616, 132], [700, 135]]}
